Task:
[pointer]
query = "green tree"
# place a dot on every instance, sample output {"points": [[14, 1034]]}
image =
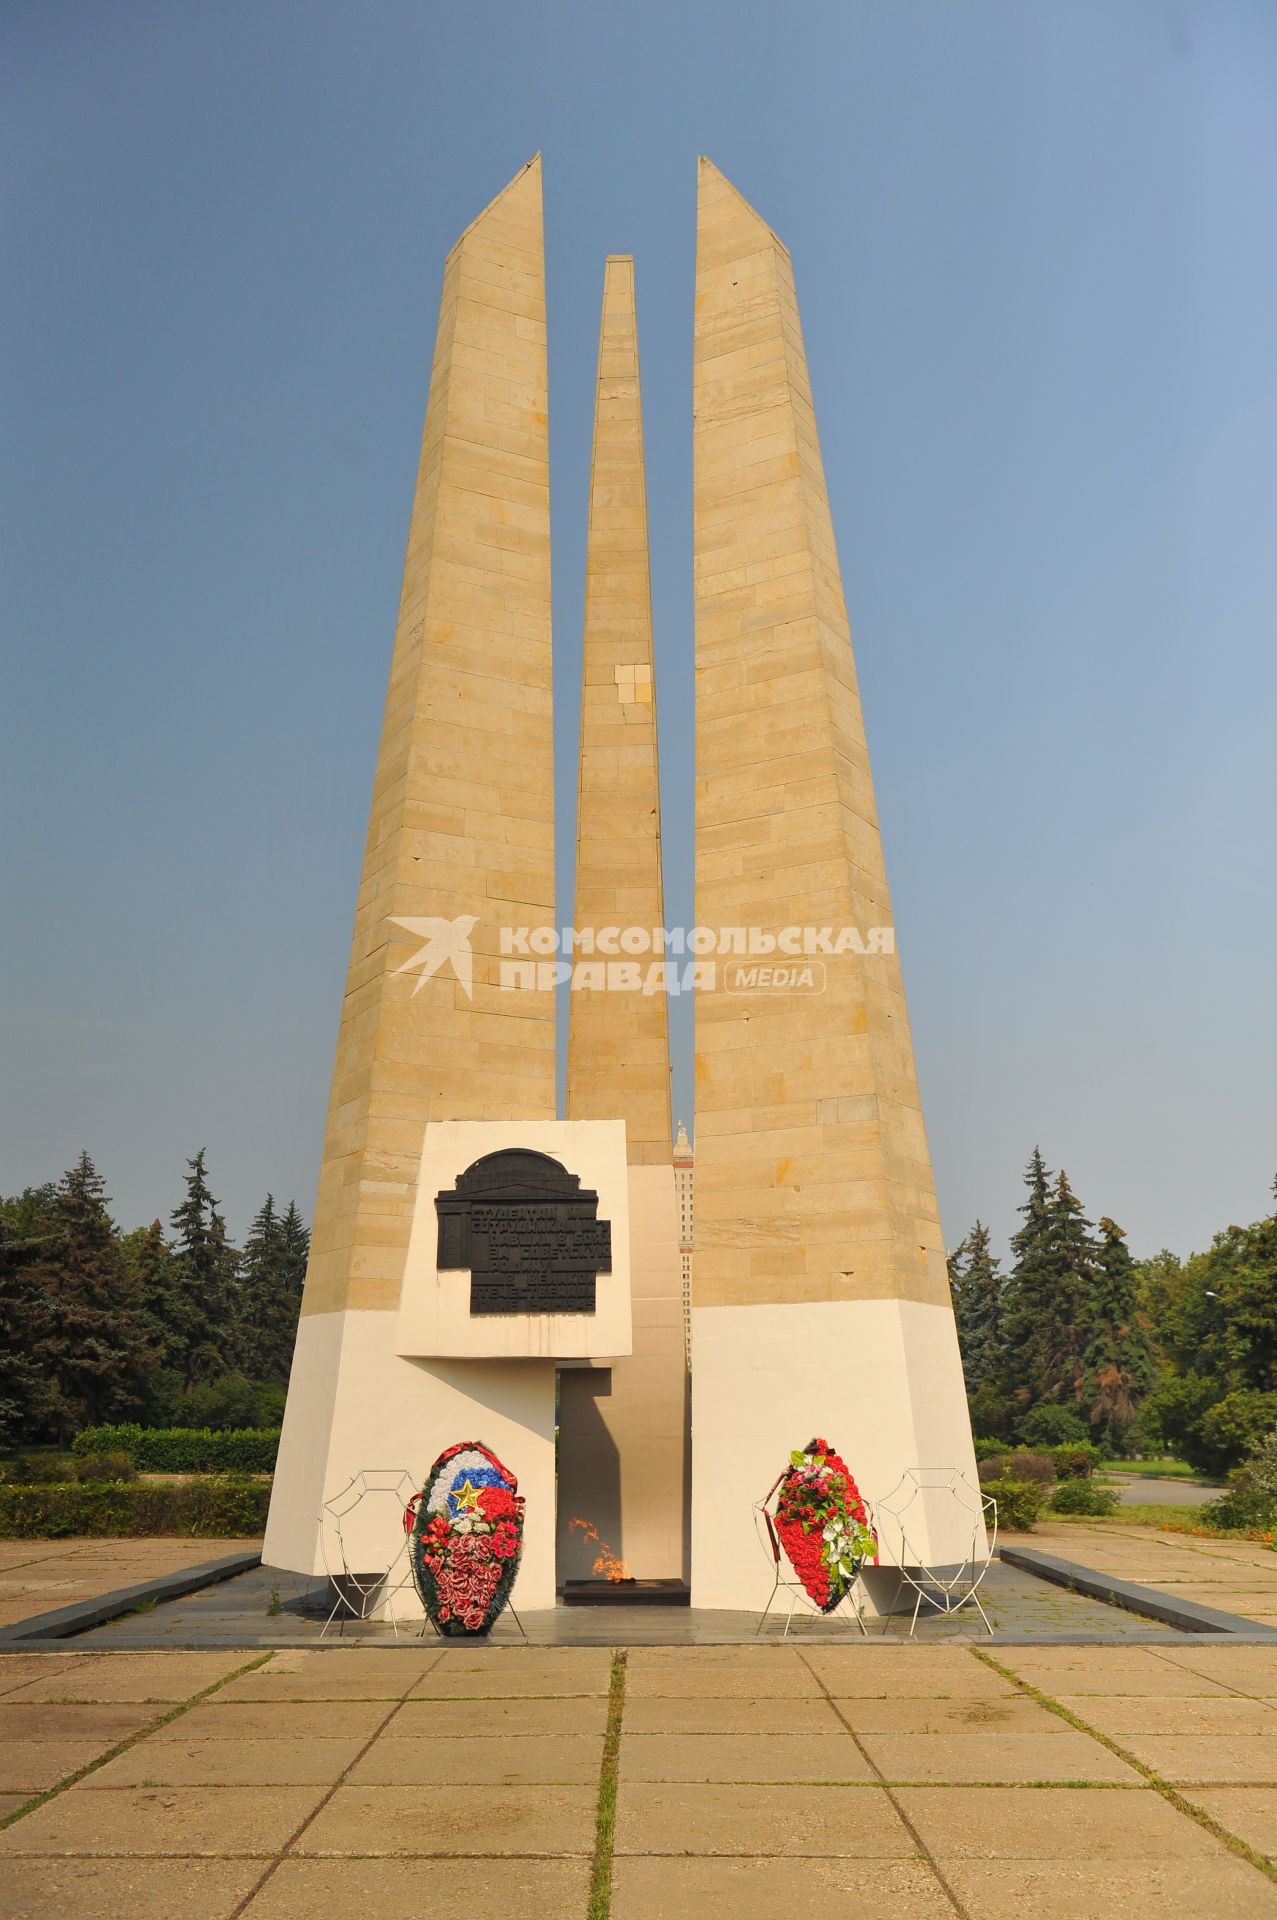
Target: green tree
{"points": [[976, 1280], [295, 1243], [1048, 1291], [205, 1299], [271, 1271], [25, 1400], [91, 1342], [1027, 1302], [1119, 1363]]}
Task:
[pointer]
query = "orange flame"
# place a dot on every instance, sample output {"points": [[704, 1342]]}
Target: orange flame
{"points": [[606, 1561]]}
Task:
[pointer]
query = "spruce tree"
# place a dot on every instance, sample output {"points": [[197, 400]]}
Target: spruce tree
{"points": [[1073, 1253], [295, 1245], [1028, 1288], [91, 1350], [1119, 1357], [977, 1305], [268, 1322], [205, 1297]]}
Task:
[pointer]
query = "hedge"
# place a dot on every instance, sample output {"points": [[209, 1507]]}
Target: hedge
{"points": [[230, 1505], [185, 1449]]}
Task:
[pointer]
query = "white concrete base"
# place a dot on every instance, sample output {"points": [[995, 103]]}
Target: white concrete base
{"points": [[354, 1403], [881, 1380]]}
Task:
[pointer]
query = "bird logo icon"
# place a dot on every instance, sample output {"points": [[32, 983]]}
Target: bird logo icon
{"points": [[445, 941]]}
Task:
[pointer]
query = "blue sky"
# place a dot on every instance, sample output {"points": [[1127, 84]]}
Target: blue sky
{"points": [[1034, 243]]}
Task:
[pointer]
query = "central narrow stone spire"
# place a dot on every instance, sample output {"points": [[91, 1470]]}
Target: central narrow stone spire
{"points": [[618, 1042]]}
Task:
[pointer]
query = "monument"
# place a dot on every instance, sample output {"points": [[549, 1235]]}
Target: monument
{"points": [[482, 1270]]}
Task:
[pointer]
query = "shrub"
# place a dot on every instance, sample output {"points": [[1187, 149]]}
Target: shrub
{"points": [[1242, 1508], [1230, 1429], [104, 1466], [185, 1449], [230, 1504], [1019, 1502], [989, 1449], [1076, 1462], [35, 1469], [1083, 1496], [1019, 1465], [1048, 1426], [1251, 1500]]}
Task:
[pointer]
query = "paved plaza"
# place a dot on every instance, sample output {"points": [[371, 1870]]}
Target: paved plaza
{"points": [[860, 1780], [762, 1782]]}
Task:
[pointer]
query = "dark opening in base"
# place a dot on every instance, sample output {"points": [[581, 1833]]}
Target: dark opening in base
{"points": [[626, 1593]]}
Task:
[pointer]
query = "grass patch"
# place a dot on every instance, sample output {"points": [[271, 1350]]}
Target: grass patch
{"points": [[600, 1905], [1174, 1516], [1152, 1469]]}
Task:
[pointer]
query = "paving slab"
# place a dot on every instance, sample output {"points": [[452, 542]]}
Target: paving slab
{"points": [[33, 1766], [897, 1673], [995, 1758], [781, 1715], [402, 1663], [18, 1671], [1053, 1823], [1251, 1670], [515, 1676], [190, 1889], [1107, 1670], [978, 1713], [1215, 1713], [1081, 1889], [103, 1721], [1249, 1812], [435, 1820], [267, 1685], [819, 1822], [451, 1719], [757, 1757], [228, 1763], [753, 1889], [219, 1719], [167, 1820], [746, 1679], [166, 1678], [484, 1760], [1247, 1759], [443, 1890]]}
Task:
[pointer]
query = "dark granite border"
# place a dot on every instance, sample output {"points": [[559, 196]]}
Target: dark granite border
{"points": [[1185, 1615], [63, 1622]]}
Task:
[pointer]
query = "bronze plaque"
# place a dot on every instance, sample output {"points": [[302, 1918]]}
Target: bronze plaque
{"points": [[530, 1236]]}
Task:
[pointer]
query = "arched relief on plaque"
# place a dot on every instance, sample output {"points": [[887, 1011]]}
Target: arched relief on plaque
{"points": [[530, 1236]]}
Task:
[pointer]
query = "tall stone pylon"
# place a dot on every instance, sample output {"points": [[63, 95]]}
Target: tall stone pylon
{"points": [[460, 844], [618, 1043], [623, 1434], [821, 1303]]}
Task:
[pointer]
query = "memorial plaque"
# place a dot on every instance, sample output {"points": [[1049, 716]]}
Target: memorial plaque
{"points": [[530, 1236]]}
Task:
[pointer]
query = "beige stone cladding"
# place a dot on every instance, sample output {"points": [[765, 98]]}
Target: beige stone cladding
{"points": [[460, 838], [618, 1042], [813, 1180]]}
